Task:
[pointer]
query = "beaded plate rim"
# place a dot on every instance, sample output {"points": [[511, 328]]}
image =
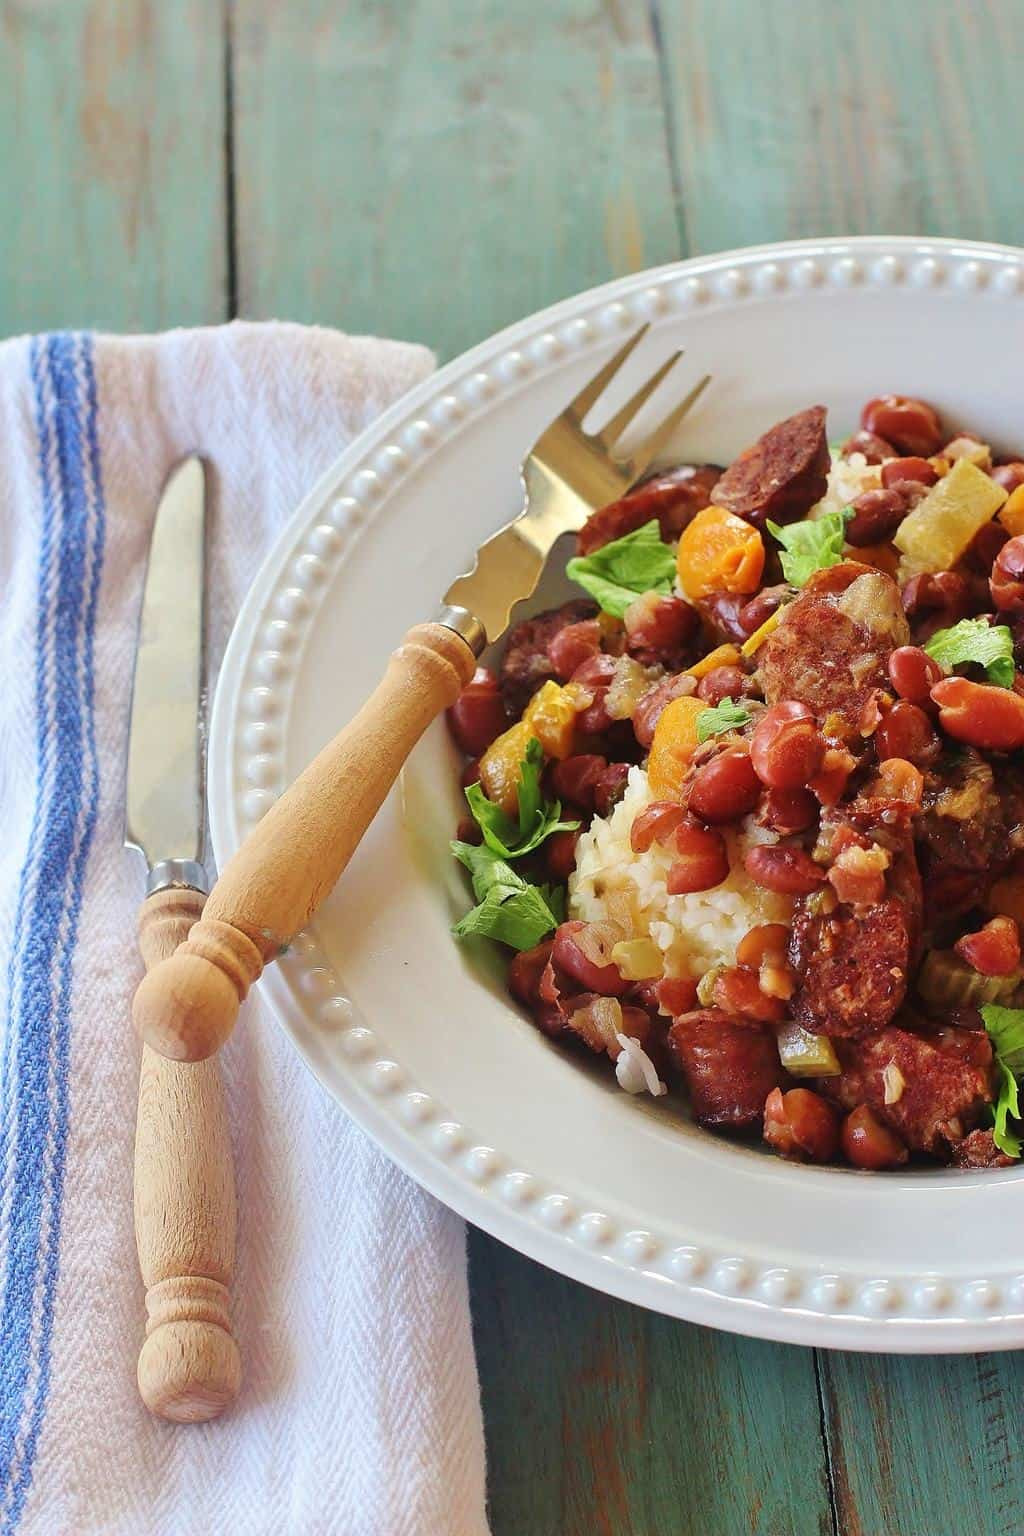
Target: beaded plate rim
{"points": [[733, 1290]]}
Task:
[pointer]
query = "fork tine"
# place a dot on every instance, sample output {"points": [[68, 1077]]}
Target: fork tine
{"points": [[613, 429], [592, 391], [647, 451]]}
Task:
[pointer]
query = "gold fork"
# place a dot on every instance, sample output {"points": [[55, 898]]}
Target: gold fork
{"points": [[186, 1006]]}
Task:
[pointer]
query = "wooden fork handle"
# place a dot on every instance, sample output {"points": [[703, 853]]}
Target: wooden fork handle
{"points": [[189, 1366], [186, 1007]]}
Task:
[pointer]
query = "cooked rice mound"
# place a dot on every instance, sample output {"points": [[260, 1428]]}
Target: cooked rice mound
{"points": [[694, 932]]}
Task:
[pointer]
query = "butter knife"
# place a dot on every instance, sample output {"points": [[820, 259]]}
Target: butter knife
{"points": [[189, 1367]]}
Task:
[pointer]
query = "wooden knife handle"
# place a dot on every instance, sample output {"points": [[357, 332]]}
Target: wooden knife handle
{"points": [[189, 1366], [186, 1007]]}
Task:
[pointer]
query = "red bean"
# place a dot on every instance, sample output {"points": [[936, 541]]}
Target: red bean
{"points": [[656, 823], [478, 714], [762, 942], [876, 516], [560, 855], [1007, 580], [800, 1124], [868, 1143], [725, 788], [675, 995], [736, 990], [701, 860], [873, 447], [994, 950], [591, 976], [908, 469], [788, 810], [471, 773], [786, 748], [721, 612], [468, 831], [723, 683], [989, 718], [761, 607], [912, 426], [610, 788], [784, 869], [1009, 476], [595, 675], [574, 779], [573, 645], [907, 732], [983, 550], [948, 591], [525, 971], [913, 674], [659, 628]]}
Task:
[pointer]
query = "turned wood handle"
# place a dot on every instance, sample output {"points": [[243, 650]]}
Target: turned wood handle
{"points": [[189, 1366], [186, 1007]]}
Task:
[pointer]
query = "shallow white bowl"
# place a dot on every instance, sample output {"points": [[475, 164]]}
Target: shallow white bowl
{"points": [[413, 1034]]}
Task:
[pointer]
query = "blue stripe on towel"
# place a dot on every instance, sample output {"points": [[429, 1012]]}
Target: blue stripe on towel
{"points": [[36, 1085]]}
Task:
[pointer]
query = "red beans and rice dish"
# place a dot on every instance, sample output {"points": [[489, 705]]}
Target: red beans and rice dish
{"points": [[748, 815]]}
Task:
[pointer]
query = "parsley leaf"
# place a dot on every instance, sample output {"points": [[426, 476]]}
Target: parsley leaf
{"points": [[1007, 1104], [537, 818], [618, 572], [1006, 1031], [727, 716], [990, 645], [811, 546], [508, 909]]}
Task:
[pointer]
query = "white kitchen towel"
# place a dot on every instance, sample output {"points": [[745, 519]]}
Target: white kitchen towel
{"points": [[359, 1413]]}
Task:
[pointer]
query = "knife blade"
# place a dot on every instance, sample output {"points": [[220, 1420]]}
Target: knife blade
{"points": [[164, 800]]}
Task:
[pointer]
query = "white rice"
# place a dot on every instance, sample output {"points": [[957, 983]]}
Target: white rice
{"points": [[695, 932], [847, 479]]}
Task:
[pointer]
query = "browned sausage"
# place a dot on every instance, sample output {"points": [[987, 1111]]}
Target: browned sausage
{"points": [[526, 663], [730, 1064], [978, 1150], [943, 1082], [674, 499], [782, 475], [832, 646], [851, 966]]}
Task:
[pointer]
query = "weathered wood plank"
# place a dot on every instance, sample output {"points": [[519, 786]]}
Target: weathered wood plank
{"points": [[435, 171], [112, 205], [603, 1419], [926, 1447], [814, 118]]}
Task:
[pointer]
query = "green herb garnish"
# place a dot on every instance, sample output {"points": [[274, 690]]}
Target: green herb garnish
{"points": [[616, 574], [538, 817], [990, 645], [811, 546], [727, 716], [1006, 1031], [508, 908]]}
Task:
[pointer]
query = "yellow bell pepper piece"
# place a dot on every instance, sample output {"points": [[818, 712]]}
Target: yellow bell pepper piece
{"points": [[675, 741], [551, 716]]}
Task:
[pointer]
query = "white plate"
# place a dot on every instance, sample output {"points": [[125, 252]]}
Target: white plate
{"points": [[412, 1033]]}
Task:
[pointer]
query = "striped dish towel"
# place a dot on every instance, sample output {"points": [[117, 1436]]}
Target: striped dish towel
{"points": [[359, 1413]]}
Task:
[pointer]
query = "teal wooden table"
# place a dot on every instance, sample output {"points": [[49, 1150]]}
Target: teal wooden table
{"points": [[434, 169]]}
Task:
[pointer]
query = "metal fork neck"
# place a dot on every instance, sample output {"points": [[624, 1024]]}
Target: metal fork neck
{"points": [[466, 625]]}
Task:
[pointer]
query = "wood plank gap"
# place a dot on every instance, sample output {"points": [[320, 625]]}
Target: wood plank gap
{"points": [[833, 1502], [671, 135], [230, 199]]}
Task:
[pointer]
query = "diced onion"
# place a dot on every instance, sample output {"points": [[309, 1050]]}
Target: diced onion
{"points": [[638, 959], [806, 1055], [634, 1069]]}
